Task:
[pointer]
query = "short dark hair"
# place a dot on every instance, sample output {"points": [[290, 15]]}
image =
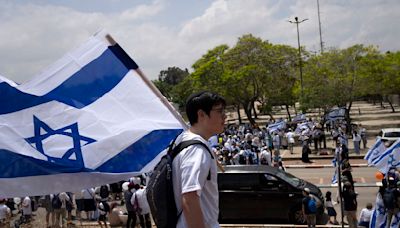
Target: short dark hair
{"points": [[205, 101]]}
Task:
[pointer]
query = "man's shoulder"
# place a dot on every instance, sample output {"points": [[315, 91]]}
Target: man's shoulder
{"points": [[186, 136]]}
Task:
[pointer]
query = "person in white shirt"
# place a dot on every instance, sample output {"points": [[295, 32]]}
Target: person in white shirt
{"points": [[144, 212], [290, 139], [194, 169], [365, 216], [5, 214], [356, 142], [265, 157], [27, 208]]}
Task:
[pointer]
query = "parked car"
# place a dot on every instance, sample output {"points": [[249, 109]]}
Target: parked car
{"points": [[391, 134], [263, 194]]}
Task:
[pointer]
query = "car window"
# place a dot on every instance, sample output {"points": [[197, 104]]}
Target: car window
{"points": [[380, 133], [237, 181], [268, 182], [392, 134], [294, 181]]}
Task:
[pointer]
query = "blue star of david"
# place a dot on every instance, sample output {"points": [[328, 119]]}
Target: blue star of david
{"points": [[391, 160], [70, 131], [381, 210]]}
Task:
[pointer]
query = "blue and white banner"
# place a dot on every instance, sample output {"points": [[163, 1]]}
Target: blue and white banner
{"points": [[375, 151], [302, 126], [335, 114], [275, 127], [390, 158], [299, 118], [87, 120]]}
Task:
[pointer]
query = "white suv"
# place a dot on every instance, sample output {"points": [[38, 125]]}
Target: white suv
{"points": [[390, 134]]}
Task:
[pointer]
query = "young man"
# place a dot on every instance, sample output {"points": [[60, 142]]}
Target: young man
{"points": [[194, 169]]}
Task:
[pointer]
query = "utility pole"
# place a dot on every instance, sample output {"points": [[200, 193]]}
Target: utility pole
{"points": [[320, 33], [297, 22]]}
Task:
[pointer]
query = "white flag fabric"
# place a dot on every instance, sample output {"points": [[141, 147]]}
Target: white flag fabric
{"points": [[375, 151], [390, 158], [378, 217], [85, 121]]}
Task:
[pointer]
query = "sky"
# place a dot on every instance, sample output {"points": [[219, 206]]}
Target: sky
{"points": [[159, 34]]}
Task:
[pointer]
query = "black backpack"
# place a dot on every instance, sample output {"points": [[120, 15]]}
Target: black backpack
{"points": [[389, 200], [56, 202], [160, 194], [104, 193]]}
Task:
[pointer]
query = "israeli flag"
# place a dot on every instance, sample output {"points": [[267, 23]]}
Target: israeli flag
{"points": [[335, 174], [376, 150], [378, 217], [336, 114], [85, 121], [276, 126], [390, 158], [299, 118]]}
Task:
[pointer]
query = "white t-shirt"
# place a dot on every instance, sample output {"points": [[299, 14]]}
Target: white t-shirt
{"points": [[26, 206], [265, 154], [365, 215], [190, 170], [4, 211], [142, 201], [290, 137]]}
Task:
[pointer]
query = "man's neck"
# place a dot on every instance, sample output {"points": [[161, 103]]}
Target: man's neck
{"points": [[199, 131]]}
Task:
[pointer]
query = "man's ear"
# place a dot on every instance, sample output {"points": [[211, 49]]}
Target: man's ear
{"points": [[201, 114]]}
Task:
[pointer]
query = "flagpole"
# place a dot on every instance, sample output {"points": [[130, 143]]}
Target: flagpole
{"points": [[153, 88], [339, 176]]}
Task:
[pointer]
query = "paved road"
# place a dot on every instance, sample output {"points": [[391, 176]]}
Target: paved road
{"points": [[324, 175]]}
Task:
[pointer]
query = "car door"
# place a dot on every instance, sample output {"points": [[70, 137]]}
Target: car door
{"points": [[238, 200], [276, 196]]}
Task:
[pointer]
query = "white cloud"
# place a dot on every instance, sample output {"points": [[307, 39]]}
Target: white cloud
{"points": [[33, 36]]}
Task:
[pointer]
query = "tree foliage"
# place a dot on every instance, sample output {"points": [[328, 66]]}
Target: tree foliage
{"points": [[255, 70]]}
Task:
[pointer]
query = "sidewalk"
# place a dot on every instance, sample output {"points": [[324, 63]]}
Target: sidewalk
{"points": [[322, 158]]}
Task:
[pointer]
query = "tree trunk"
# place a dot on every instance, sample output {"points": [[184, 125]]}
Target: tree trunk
{"points": [[391, 105], [247, 109], [295, 109], [288, 112], [347, 118], [238, 113]]}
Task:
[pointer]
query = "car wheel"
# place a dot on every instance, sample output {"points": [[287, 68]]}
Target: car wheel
{"points": [[296, 216]]}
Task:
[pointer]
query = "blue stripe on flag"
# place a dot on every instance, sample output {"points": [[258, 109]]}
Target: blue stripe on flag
{"points": [[136, 156], [374, 147], [79, 90], [132, 159], [395, 145]]}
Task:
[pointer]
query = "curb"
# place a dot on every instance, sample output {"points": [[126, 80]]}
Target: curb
{"points": [[322, 166], [320, 157], [367, 185]]}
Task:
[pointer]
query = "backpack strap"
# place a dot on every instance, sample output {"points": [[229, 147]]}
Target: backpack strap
{"points": [[175, 151]]}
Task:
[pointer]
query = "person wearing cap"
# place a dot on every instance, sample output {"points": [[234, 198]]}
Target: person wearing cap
{"points": [[309, 216]]}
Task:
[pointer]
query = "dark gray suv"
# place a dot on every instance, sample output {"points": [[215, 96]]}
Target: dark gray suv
{"points": [[263, 194]]}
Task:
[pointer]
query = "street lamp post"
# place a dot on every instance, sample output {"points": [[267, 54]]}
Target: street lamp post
{"points": [[297, 22]]}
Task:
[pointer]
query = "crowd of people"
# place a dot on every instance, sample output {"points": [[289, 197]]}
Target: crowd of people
{"points": [[118, 204]]}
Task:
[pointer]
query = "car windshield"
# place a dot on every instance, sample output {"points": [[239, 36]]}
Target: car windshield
{"points": [[294, 181]]}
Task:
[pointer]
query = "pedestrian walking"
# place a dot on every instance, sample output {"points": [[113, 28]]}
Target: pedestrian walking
{"points": [[356, 142]]}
